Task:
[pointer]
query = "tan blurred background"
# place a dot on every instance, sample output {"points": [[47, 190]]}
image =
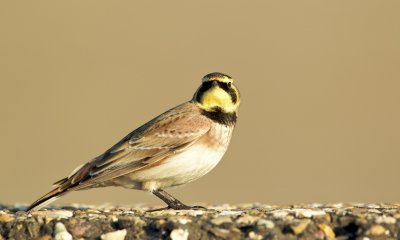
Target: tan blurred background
{"points": [[320, 82]]}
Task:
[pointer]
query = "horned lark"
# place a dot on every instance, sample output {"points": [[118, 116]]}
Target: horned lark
{"points": [[177, 147]]}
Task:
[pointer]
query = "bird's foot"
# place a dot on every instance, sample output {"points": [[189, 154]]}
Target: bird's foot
{"points": [[186, 207], [180, 206]]}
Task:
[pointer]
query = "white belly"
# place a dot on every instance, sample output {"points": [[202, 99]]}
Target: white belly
{"points": [[184, 167]]}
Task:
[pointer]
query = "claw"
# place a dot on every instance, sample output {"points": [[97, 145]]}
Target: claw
{"points": [[178, 207]]}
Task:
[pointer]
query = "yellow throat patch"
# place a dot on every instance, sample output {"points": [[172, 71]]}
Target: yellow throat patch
{"points": [[217, 91]]}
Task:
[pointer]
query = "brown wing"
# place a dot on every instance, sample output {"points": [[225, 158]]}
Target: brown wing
{"points": [[167, 134]]}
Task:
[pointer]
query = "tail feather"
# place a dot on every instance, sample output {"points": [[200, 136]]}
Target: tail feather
{"points": [[62, 186], [46, 199]]}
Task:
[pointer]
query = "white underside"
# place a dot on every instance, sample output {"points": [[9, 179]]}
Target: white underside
{"points": [[184, 167]]}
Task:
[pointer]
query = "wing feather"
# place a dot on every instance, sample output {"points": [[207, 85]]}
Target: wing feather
{"points": [[168, 134]]}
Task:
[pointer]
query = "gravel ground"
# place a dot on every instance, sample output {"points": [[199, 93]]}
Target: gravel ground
{"points": [[245, 221]]}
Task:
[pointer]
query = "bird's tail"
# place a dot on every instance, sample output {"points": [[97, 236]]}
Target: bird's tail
{"points": [[63, 186], [46, 199]]}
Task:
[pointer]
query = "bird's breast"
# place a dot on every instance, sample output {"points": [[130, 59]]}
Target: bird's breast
{"points": [[190, 164]]}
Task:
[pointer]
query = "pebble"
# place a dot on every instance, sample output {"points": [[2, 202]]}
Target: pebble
{"points": [[265, 206], [329, 233], [53, 214], [221, 233], [6, 218], [220, 220], [385, 219], [374, 211], [255, 236], [267, 223], [230, 213], [194, 212], [184, 220], [180, 219], [299, 227], [246, 220], [337, 205], [280, 213], [319, 234], [359, 205], [79, 229], [179, 234], [373, 206], [114, 218], [61, 233], [376, 230], [316, 205], [308, 213], [117, 235]]}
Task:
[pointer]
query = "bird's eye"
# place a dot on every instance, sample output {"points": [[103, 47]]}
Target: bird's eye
{"points": [[229, 84]]}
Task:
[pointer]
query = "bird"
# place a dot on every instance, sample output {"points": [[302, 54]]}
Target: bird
{"points": [[174, 148]]}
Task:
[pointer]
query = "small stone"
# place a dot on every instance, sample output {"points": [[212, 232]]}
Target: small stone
{"points": [[53, 214], [246, 220], [323, 218], [289, 218], [231, 234], [79, 229], [337, 205], [254, 212], [376, 230], [114, 218], [193, 212], [280, 213], [61, 233], [6, 218], [230, 213], [221, 220], [20, 216], [319, 235], [92, 216], [117, 235], [385, 219], [308, 213], [373, 206], [184, 220], [316, 205], [299, 227], [329, 233], [359, 205], [255, 236], [179, 234], [267, 223], [374, 211]]}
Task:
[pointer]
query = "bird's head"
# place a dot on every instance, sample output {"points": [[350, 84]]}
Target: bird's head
{"points": [[217, 93]]}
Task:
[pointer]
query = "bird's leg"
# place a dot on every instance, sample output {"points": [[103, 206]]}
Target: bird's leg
{"points": [[172, 202]]}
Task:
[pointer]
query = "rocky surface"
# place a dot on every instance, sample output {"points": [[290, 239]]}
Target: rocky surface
{"points": [[246, 221]]}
